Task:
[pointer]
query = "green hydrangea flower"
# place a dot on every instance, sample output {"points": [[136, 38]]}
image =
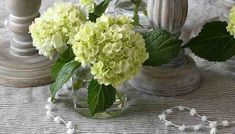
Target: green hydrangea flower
{"points": [[112, 48], [231, 24], [53, 29], [89, 4]]}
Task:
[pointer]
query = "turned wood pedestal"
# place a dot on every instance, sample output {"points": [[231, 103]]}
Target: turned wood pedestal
{"points": [[20, 65], [181, 75]]}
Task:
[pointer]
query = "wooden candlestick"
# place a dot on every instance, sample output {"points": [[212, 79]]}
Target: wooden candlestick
{"points": [[181, 75], [20, 64]]}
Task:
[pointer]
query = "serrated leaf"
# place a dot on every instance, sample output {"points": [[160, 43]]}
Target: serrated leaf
{"points": [[63, 58], [64, 75], [99, 10], [162, 46], [100, 97], [213, 43]]}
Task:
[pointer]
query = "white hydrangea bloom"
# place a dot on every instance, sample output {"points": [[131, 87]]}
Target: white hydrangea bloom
{"points": [[52, 30], [231, 23], [112, 48]]}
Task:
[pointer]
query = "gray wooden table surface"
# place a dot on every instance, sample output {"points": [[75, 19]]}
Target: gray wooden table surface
{"points": [[22, 110]]}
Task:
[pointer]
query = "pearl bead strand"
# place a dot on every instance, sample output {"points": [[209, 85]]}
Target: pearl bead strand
{"points": [[212, 125], [50, 108]]}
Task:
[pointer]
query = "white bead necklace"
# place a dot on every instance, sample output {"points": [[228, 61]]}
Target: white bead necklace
{"points": [[212, 125], [68, 124]]}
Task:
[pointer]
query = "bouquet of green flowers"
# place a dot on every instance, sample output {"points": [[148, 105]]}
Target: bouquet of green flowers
{"points": [[112, 49], [107, 44]]}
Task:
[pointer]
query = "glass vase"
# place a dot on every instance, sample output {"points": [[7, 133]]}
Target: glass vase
{"points": [[126, 7], [80, 81]]}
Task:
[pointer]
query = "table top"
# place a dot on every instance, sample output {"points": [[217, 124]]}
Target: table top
{"points": [[22, 110]]}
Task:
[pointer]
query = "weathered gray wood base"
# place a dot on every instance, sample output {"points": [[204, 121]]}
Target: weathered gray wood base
{"points": [[168, 81], [22, 71], [230, 65]]}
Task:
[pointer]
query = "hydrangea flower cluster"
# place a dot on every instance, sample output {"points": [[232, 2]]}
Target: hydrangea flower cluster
{"points": [[231, 24], [89, 4], [112, 48], [53, 29]]}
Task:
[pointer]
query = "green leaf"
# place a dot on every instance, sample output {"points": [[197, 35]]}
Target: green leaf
{"points": [[99, 10], [64, 58], [100, 97], [67, 54], [213, 43], [162, 46], [55, 69], [64, 75]]}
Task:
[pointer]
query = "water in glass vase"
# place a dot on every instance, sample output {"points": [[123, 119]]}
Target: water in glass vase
{"points": [[80, 80]]}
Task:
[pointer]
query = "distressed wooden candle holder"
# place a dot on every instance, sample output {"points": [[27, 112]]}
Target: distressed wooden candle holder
{"points": [[20, 65], [181, 75]]}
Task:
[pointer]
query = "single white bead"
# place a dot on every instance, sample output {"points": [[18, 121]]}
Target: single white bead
{"points": [[197, 127], [58, 119], [169, 111], [181, 108], [49, 100], [69, 125], [213, 130], [182, 128], [193, 112], [49, 114], [6, 22], [48, 107], [168, 123], [204, 118], [162, 116], [70, 131], [225, 123], [213, 124]]}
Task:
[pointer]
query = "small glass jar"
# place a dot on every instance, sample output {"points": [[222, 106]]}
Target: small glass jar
{"points": [[80, 81]]}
